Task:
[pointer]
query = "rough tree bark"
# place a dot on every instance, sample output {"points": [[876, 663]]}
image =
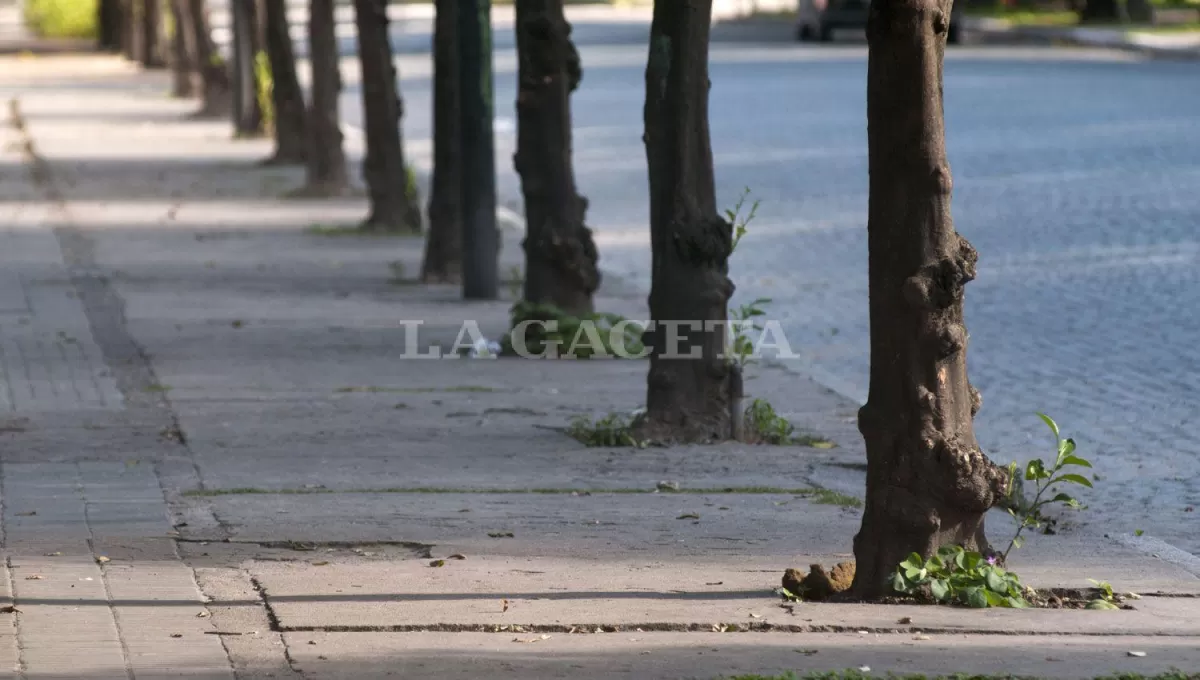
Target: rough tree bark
{"points": [[326, 159], [395, 205], [443, 247], [187, 81], [928, 483], [291, 136], [153, 55], [691, 393], [560, 256], [247, 113], [217, 94]]}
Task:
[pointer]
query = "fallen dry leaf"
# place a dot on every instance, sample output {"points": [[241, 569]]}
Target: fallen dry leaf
{"points": [[9, 609], [755, 616], [202, 615], [536, 639], [688, 515], [34, 577], [438, 563], [457, 556], [102, 559], [320, 563], [31, 513], [906, 619], [504, 606], [176, 635], [54, 554]]}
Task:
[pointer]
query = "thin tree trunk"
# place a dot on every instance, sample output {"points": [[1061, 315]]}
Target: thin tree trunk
{"points": [[689, 398], [443, 247], [1102, 11], [928, 483], [152, 27], [560, 256], [247, 114], [395, 205], [326, 159], [108, 22], [131, 31], [481, 238], [291, 136], [186, 80], [217, 95]]}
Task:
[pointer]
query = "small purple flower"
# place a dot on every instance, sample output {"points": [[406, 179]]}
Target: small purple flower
{"points": [[991, 560]]}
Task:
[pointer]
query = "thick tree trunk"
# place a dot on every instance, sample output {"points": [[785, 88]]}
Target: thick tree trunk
{"points": [[326, 160], [690, 398], [187, 81], [395, 205], [108, 23], [217, 95], [247, 113], [153, 55], [291, 135], [928, 483], [443, 247], [560, 256]]}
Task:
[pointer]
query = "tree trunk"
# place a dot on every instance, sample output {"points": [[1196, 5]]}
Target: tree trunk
{"points": [[689, 398], [152, 27], [291, 136], [186, 80], [108, 23], [560, 257], [1101, 11], [217, 95], [928, 483], [481, 238], [326, 160], [131, 29], [443, 247], [247, 113], [395, 206]]}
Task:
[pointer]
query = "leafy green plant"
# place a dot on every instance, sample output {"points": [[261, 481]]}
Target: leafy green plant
{"points": [[265, 84], [614, 429], [741, 319], [764, 425], [955, 575], [569, 337], [734, 215], [1029, 513], [62, 18], [1107, 599]]}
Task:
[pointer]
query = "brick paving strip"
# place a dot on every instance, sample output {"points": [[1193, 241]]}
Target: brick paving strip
{"points": [[227, 472]]}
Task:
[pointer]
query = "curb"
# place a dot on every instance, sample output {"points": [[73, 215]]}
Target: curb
{"points": [[1185, 48]]}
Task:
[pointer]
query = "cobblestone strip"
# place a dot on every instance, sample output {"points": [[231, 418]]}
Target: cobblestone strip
{"points": [[100, 589]]}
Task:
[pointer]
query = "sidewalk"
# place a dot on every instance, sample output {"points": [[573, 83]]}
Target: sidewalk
{"points": [[1165, 46], [216, 464]]}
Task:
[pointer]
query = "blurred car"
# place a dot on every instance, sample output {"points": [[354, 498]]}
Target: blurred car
{"points": [[817, 19]]}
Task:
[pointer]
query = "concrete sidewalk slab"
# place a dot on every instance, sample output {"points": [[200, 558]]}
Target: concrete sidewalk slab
{"points": [[653, 593], [706, 656]]}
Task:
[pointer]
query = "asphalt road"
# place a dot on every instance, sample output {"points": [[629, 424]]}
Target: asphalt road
{"points": [[1075, 178]]}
